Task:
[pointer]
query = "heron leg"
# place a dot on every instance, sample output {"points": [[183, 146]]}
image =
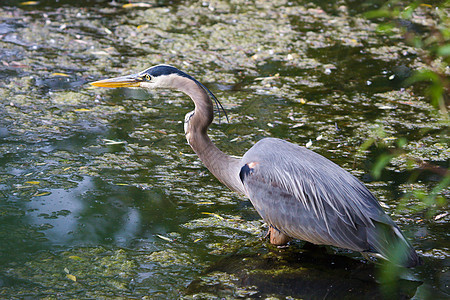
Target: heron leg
{"points": [[277, 237]]}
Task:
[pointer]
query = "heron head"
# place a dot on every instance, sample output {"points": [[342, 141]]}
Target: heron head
{"points": [[160, 76]]}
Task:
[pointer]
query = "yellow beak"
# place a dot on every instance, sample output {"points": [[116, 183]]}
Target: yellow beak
{"points": [[123, 81]]}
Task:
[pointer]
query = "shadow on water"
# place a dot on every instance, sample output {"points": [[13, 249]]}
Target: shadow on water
{"points": [[307, 272]]}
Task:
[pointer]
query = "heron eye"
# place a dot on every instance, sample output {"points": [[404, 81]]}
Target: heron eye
{"points": [[147, 77]]}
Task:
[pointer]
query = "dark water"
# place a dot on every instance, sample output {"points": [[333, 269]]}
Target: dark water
{"points": [[101, 197]]}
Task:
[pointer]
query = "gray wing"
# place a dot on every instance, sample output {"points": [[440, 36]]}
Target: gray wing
{"points": [[306, 196]]}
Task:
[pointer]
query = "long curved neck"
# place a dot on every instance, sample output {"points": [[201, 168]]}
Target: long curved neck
{"points": [[222, 166]]}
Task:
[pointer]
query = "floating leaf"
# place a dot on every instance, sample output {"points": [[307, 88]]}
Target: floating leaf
{"points": [[32, 182], [100, 53], [440, 216], [42, 194], [71, 277], [30, 3], [74, 257], [133, 5], [164, 238], [60, 74], [298, 125], [111, 142], [212, 214]]}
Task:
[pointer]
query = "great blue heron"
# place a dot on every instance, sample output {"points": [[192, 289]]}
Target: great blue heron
{"points": [[299, 193]]}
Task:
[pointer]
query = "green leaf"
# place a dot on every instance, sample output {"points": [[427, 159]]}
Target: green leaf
{"points": [[379, 13], [385, 28], [380, 164], [407, 13], [422, 75], [367, 143], [401, 142], [444, 50]]}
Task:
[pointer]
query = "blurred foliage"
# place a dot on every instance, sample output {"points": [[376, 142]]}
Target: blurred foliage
{"points": [[425, 27]]}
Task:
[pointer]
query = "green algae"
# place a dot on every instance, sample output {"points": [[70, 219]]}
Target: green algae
{"points": [[171, 257], [98, 272]]}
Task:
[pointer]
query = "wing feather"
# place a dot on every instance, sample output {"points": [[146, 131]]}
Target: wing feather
{"points": [[307, 196]]}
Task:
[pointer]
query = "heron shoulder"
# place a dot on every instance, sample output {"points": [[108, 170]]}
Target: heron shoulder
{"points": [[276, 151]]}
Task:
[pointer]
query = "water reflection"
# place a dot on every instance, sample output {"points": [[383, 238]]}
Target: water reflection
{"points": [[94, 212], [57, 212], [71, 217]]}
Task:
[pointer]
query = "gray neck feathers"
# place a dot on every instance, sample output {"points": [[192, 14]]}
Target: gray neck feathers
{"points": [[224, 167]]}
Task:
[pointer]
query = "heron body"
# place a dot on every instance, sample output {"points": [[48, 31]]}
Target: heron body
{"points": [[299, 193]]}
